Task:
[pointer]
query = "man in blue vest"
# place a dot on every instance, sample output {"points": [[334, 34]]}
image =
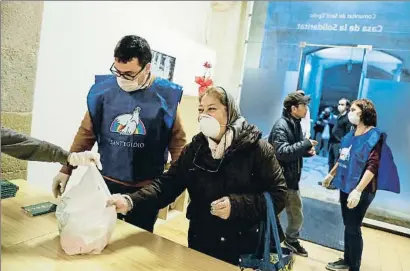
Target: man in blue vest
{"points": [[133, 117]]}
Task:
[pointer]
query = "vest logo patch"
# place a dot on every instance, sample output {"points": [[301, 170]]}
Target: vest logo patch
{"points": [[129, 124], [345, 154]]}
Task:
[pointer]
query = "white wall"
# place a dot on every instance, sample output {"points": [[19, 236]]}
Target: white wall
{"points": [[78, 39], [227, 34]]}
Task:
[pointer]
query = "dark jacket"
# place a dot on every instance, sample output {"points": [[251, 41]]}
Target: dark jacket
{"points": [[248, 169], [24, 147], [341, 128], [287, 138]]}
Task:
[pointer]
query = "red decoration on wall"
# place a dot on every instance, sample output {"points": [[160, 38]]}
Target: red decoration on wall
{"points": [[204, 81]]}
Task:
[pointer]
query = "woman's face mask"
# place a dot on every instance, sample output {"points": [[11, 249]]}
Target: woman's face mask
{"points": [[353, 118], [209, 126]]}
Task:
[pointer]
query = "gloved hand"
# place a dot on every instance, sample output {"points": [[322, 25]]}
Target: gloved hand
{"points": [[221, 208], [327, 181], [59, 184], [353, 199], [84, 159], [122, 203]]}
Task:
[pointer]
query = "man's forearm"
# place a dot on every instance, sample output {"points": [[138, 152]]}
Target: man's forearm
{"points": [[83, 141], [28, 148]]}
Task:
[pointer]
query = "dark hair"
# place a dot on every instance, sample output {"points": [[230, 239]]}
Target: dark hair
{"points": [[347, 102], [132, 46], [295, 99], [369, 114]]}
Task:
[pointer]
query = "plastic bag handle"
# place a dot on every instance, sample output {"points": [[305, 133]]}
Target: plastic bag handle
{"points": [[100, 180]]}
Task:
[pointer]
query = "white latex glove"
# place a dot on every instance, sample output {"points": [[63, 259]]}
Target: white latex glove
{"points": [[122, 203], [221, 208], [327, 180], [353, 199], [85, 159], [59, 184]]}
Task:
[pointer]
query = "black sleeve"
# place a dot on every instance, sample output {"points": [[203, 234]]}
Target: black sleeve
{"points": [[348, 126], [165, 189], [24, 147], [268, 173], [284, 150]]}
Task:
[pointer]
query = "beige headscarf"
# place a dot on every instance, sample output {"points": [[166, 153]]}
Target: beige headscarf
{"points": [[218, 149]]}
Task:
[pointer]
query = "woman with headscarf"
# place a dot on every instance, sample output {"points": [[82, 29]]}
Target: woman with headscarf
{"points": [[226, 168]]}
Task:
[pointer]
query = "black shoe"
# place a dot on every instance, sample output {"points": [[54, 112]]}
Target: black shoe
{"points": [[296, 248], [337, 266], [331, 186]]}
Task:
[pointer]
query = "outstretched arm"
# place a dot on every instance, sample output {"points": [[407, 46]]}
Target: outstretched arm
{"points": [[25, 147]]}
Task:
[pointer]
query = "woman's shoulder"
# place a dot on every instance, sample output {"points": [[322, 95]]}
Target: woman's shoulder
{"points": [[193, 146]]}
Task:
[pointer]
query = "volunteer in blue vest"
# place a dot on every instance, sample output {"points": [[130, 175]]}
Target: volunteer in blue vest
{"points": [[365, 165], [133, 117]]}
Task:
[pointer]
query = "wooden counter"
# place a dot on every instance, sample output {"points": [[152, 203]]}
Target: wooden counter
{"points": [[32, 243]]}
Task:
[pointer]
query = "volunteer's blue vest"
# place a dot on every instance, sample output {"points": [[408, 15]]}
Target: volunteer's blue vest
{"points": [[133, 129], [354, 153]]}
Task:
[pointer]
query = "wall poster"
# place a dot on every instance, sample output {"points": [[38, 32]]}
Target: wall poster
{"points": [[163, 65]]}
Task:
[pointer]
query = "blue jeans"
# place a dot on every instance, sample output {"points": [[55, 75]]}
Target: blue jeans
{"points": [[352, 220]]}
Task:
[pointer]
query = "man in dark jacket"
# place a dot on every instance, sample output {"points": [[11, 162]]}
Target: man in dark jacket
{"points": [[24, 147], [340, 129], [287, 138]]}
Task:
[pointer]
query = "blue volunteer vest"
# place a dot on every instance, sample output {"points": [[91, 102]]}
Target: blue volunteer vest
{"points": [[133, 129], [354, 153]]}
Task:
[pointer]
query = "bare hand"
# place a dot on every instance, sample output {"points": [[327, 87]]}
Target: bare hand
{"points": [[221, 208], [312, 152], [313, 142]]}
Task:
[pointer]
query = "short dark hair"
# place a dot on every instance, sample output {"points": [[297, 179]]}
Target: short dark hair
{"points": [[369, 114], [347, 102], [132, 46], [295, 99]]}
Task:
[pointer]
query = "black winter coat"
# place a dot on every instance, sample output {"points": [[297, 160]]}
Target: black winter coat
{"points": [[291, 147], [248, 169]]}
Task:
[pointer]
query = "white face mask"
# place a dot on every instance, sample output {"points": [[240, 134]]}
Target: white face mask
{"points": [[341, 108], [130, 85], [209, 126], [353, 118]]}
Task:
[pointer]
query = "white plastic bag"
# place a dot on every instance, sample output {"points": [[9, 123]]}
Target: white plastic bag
{"points": [[84, 222]]}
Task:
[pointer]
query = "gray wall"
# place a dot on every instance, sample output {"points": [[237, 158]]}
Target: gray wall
{"points": [[20, 37]]}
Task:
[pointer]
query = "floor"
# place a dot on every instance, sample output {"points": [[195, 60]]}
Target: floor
{"points": [[382, 252]]}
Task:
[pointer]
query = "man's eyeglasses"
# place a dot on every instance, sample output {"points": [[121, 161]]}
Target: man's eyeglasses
{"points": [[208, 170], [124, 75]]}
